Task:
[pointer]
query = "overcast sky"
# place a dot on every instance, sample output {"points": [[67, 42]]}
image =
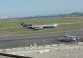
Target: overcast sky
{"points": [[23, 8]]}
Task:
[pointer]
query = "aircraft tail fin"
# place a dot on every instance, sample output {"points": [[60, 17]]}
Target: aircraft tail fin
{"points": [[25, 25]]}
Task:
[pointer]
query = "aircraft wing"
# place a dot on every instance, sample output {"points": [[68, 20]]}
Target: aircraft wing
{"points": [[37, 27]]}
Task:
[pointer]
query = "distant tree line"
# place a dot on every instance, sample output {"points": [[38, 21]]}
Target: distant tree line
{"points": [[58, 15], [50, 16]]}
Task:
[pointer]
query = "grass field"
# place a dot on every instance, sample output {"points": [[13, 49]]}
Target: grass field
{"points": [[13, 27]]}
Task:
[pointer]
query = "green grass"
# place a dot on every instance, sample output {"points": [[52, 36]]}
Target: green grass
{"points": [[7, 26]]}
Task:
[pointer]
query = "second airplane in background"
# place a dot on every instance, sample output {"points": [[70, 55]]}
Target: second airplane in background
{"points": [[38, 27]]}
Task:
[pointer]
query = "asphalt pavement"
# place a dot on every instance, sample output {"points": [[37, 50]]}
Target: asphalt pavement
{"points": [[41, 38]]}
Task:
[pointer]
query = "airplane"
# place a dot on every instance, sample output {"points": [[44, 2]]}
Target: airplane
{"points": [[69, 38], [38, 27]]}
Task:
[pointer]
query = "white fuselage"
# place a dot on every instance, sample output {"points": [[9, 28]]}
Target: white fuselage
{"points": [[45, 26]]}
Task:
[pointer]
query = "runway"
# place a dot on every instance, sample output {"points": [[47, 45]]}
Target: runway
{"points": [[41, 38]]}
